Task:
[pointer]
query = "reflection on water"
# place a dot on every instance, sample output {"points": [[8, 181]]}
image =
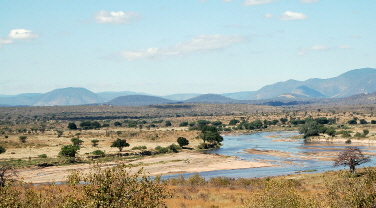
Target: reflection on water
{"points": [[234, 145]]}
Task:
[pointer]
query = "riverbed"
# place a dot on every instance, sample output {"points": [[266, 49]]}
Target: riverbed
{"points": [[289, 155]]}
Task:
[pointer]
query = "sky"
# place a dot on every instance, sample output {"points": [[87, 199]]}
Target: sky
{"points": [[167, 47]]}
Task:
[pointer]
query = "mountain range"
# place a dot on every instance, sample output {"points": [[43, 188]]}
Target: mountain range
{"points": [[357, 84]]}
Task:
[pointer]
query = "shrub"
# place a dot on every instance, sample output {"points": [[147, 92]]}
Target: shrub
{"points": [[95, 142], [182, 141], [98, 152], [2, 150], [139, 148], [42, 156], [174, 148], [76, 141], [69, 151], [120, 144], [22, 138], [72, 126]]}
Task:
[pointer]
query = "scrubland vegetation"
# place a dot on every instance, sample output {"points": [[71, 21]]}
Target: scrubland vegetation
{"points": [[52, 136]]}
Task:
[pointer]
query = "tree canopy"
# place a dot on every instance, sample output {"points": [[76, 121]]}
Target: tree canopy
{"points": [[351, 156], [120, 144]]}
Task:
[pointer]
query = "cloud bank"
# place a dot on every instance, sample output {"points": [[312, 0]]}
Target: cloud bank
{"points": [[199, 44], [116, 18], [288, 15], [257, 2], [22, 34]]}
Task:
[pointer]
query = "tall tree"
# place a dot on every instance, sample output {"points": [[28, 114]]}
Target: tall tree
{"points": [[120, 144]]}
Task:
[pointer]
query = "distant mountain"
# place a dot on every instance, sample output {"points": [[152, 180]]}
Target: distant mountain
{"points": [[107, 96], [352, 82], [180, 97], [211, 98], [363, 98], [138, 100], [69, 96], [26, 99], [240, 95]]}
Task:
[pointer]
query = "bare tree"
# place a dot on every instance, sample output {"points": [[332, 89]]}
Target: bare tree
{"points": [[6, 171], [351, 156]]}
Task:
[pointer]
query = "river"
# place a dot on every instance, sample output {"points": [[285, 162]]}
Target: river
{"points": [[234, 145]]}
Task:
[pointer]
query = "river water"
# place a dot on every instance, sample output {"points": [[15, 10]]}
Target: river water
{"points": [[234, 145]]}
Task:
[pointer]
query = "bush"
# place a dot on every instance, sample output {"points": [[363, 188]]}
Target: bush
{"points": [[69, 151], [76, 141], [182, 141], [98, 152], [95, 142], [42, 156], [22, 138], [174, 148], [120, 144], [2, 150], [139, 148], [162, 150], [72, 126]]}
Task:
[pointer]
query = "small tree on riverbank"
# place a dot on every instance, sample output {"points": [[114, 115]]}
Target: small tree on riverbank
{"points": [[351, 156]]}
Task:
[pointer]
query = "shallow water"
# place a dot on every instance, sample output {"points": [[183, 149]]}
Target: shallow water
{"points": [[234, 145]]}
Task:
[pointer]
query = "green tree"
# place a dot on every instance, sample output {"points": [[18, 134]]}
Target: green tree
{"points": [[353, 121], [233, 122], [76, 141], [69, 150], [182, 141], [363, 121], [117, 123], [365, 132], [97, 152], [184, 123], [120, 144], [168, 123], [72, 126], [311, 128], [94, 142]]}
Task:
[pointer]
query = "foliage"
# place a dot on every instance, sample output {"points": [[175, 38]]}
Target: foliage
{"points": [[184, 123], [353, 121], [6, 172], [310, 128], [117, 123], [72, 126], [85, 125], [94, 142], [351, 156], [182, 141], [2, 150], [363, 121], [69, 150], [139, 148], [97, 152], [168, 123], [22, 139], [42, 156], [233, 122], [76, 141], [174, 148], [365, 132], [120, 144]]}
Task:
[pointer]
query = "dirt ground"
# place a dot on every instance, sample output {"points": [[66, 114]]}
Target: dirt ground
{"points": [[168, 164]]}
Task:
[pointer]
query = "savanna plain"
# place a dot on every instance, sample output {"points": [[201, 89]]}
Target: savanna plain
{"points": [[112, 156]]}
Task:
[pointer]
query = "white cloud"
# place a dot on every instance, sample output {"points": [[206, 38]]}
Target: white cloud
{"points": [[309, 1], [257, 2], [288, 15], [116, 18], [22, 34], [4, 41], [268, 16], [199, 44]]}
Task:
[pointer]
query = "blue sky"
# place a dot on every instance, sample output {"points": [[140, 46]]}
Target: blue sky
{"points": [[180, 46]]}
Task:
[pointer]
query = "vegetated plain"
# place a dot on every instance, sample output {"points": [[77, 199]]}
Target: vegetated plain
{"points": [[35, 136]]}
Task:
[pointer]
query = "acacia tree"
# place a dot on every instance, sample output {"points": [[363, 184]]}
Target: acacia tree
{"points": [[351, 156], [182, 141], [120, 143]]}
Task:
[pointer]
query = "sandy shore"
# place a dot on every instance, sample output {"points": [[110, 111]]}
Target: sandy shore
{"points": [[183, 162]]}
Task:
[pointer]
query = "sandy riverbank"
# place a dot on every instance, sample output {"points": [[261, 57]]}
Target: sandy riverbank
{"points": [[183, 162]]}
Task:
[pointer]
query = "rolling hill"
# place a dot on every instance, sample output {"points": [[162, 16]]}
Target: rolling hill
{"points": [[138, 100], [211, 98]]}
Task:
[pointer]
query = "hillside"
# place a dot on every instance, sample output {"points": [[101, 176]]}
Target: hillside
{"points": [[68, 96], [107, 96], [138, 100], [352, 82], [211, 98]]}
